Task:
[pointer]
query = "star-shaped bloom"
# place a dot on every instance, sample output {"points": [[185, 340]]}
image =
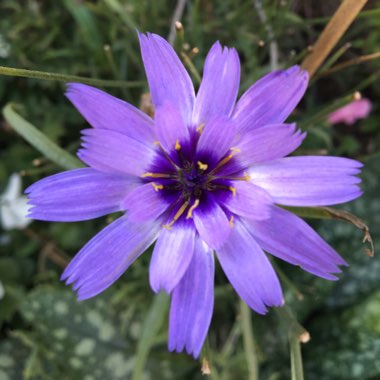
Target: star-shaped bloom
{"points": [[205, 177]]}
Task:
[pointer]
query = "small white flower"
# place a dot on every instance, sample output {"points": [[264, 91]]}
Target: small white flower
{"points": [[13, 206]]}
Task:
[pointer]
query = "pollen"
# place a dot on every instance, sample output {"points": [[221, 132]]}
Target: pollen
{"points": [[177, 145], [233, 190], [200, 128], [192, 208], [231, 222], [202, 166], [157, 187]]}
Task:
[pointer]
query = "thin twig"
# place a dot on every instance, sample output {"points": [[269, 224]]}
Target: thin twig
{"points": [[11, 71], [351, 62], [177, 15], [273, 47], [339, 23]]}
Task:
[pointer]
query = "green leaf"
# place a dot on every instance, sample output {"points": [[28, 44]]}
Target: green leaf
{"points": [[37, 139], [150, 328]]}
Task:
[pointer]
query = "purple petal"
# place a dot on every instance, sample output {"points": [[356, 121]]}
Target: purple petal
{"points": [[104, 111], [144, 203], [192, 303], [249, 201], [220, 84], [249, 270], [170, 128], [78, 194], [269, 143], [216, 139], [114, 152], [309, 181], [167, 78], [211, 222], [289, 238], [271, 99], [171, 256], [108, 255]]}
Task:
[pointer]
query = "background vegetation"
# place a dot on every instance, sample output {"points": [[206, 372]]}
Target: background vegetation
{"points": [[44, 332]]}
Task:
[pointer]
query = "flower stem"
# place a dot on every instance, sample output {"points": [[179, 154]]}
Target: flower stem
{"points": [[334, 30], [296, 335], [11, 71], [249, 343], [295, 358]]}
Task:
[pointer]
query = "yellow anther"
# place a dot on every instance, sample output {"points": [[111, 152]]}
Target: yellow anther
{"points": [[231, 222], [157, 143], [202, 166], [157, 187], [233, 190], [192, 208], [246, 177], [178, 214], [177, 145], [235, 150], [200, 128], [156, 175]]}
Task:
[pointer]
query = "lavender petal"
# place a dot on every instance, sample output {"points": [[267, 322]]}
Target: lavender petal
{"points": [[113, 152], [171, 256], [167, 77], [192, 303], [78, 194], [249, 201], [144, 203], [220, 84], [104, 111], [211, 222], [271, 99], [269, 143], [309, 180], [108, 255], [170, 128], [289, 238], [249, 270]]}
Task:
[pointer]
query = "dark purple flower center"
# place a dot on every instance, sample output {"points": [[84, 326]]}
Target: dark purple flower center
{"points": [[187, 179]]}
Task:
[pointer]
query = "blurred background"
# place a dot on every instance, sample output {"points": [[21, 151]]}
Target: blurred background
{"points": [[122, 334]]}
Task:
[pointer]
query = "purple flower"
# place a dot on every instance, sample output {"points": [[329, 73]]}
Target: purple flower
{"points": [[206, 175], [351, 112]]}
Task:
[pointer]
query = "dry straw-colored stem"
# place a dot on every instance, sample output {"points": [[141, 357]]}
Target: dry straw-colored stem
{"points": [[339, 23]]}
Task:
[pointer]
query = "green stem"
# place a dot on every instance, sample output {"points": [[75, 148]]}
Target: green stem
{"points": [[295, 358], [296, 335], [11, 71], [249, 343]]}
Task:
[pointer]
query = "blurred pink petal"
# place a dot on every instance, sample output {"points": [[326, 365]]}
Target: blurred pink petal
{"points": [[350, 113]]}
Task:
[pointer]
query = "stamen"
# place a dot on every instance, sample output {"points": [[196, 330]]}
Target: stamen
{"points": [[231, 222], [157, 187], [202, 166], [236, 150], [200, 128], [245, 178], [177, 145], [178, 214], [233, 190], [166, 154], [157, 175], [192, 208]]}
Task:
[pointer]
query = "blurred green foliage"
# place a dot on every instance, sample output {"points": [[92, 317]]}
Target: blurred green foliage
{"points": [[44, 332]]}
